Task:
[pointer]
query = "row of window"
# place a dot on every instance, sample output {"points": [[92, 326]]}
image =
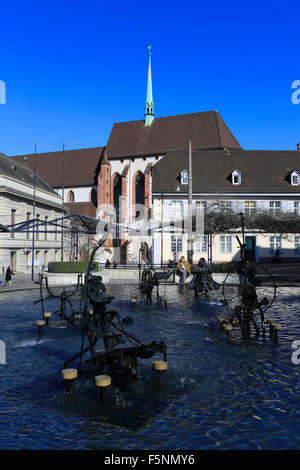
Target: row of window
{"points": [[275, 243], [133, 159], [226, 244], [200, 245], [43, 227], [176, 207], [236, 177], [42, 256]]}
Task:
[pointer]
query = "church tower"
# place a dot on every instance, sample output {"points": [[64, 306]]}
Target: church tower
{"points": [[104, 178], [149, 106]]}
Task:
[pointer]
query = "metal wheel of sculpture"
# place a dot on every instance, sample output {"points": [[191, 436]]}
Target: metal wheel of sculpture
{"points": [[97, 290], [151, 278]]}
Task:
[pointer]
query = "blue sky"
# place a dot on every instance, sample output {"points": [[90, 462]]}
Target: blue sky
{"points": [[73, 68]]}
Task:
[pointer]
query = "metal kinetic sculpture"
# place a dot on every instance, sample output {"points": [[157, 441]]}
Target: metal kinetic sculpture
{"points": [[244, 294], [202, 282], [65, 300], [151, 278], [120, 350]]}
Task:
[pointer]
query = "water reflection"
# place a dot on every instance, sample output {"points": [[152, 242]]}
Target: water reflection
{"points": [[216, 394]]}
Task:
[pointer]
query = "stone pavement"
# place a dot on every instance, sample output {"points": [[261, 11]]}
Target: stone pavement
{"points": [[20, 281]]}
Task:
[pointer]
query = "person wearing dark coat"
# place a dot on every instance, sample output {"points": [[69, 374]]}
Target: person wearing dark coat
{"points": [[8, 275]]}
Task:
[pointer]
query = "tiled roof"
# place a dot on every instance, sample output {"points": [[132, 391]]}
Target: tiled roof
{"points": [[133, 138], [14, 169], [81, 166], [83, 208], [262, 171]]}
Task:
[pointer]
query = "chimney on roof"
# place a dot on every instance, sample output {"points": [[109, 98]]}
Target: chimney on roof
{"points": [[298, 146]]}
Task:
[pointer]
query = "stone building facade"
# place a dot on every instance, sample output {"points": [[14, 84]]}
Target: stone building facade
{"points": [[16, 203]]}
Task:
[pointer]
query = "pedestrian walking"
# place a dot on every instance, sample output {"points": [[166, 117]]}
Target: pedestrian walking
{"points": [[8, 275]]}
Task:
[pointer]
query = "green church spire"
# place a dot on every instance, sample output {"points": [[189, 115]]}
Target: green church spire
{"points": [[149, 106]]}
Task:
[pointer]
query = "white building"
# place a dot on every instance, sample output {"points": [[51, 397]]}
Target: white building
{"points": [[230, 179]]}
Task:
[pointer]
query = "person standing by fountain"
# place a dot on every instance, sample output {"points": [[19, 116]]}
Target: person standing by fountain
{"points": [[183, 269], [8, 275]]}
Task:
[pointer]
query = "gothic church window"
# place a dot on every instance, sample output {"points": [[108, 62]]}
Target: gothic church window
{"points": [[71, 196], [117, 194], [139, 192]]}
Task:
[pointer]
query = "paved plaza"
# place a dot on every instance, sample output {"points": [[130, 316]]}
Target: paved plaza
{"points": [[285, 275]]}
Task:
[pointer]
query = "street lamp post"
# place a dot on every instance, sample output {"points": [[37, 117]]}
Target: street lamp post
{"points": [[33, 214], [63, 202], [162, 230], [34, 204], [190, 250]]}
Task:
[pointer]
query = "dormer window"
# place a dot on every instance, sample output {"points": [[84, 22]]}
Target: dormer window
{"points": [[185, 177], [295, 178], [236, 177]]}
